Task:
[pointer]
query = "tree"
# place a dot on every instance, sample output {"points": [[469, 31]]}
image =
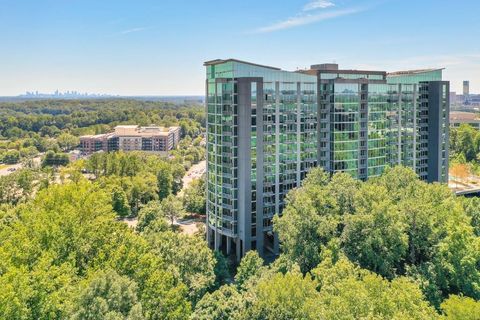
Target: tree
{"points": [[172, 208], [18, 186], [284, 297], [15, 294], [223, 304], [67, 141], [11, 157], [310, 220], [164, 181], [178, 172], [250, 266], [465, 142], [191, 258], [394, 225], [461, 308], [108, 296], [375, 235], [472, 209], [151, 217], [49, 131], [460, 171], [193, 197], [222, 272], [165, 298], [143, 189], [55, 159], [120, 202], [28, 152], [348, 292]]}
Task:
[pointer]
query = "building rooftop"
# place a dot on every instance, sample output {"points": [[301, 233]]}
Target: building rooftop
{"points": [[220, 61], [413, 72], [96, 136], [135, 130], [460, 116], [334, 68]]}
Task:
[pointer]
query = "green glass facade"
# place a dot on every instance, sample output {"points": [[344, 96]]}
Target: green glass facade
{"points": [[261, 142], [266, 128]]}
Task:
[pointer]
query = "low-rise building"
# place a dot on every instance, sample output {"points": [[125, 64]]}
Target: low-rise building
{"points": [[132, 137], [457, 118]]}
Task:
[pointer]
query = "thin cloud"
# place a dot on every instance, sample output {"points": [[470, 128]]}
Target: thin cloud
{"points": [[318, 4], [305, 19], [133, 30]]}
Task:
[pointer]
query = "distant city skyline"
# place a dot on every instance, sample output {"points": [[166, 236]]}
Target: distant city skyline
{"points": [[67, 93], [157, 48]]}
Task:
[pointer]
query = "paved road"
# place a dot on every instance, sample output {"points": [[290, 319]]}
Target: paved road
{"points": [[5, 171], [195, 171], [8, 169]]}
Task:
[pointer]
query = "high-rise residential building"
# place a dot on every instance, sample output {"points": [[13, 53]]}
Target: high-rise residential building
{"points": [[266, 128]]}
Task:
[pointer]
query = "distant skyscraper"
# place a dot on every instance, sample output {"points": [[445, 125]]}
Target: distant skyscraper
{"points": [[453, 98], [466, 90], [266, 128]]}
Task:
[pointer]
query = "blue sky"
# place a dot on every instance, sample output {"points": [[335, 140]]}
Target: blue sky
{"points": [[157, 47]]}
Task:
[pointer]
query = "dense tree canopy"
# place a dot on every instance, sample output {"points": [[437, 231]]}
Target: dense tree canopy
{"points": [[464, 142], [393, 225], [30, 127], [389, 248], [63, 254]]}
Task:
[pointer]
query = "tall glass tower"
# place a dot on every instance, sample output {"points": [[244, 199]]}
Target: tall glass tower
{"points": [[266, 128]]}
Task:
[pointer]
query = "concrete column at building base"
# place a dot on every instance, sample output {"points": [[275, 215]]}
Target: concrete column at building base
{"points": [[208, 233], [260, 249], [229, 245], [238, 244], [218, 240], [276, 244]]}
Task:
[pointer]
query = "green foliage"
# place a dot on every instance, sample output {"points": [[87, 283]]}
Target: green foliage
{"points": [[17, 186], [120, 202], [310, 220], [11, 157], [67, 141], [464, 142], [375, 235], [55, 159], [394, 225], [164, 181], [249, 267], [107, 295], [143, 177], [172, 208], [461, 308], [348, 292], [193, 197], [472, 209], [151, 217], [52, 117], [226, 303], [284, 297], [193, 260], [52, 247], [222, 270]]}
